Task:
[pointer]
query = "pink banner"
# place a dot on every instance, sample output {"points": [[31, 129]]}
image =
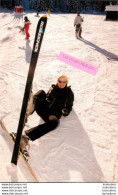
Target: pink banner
{"points": [[78, 63]]}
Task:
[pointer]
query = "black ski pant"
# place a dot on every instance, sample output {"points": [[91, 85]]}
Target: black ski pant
{"points": [[51, 121]]}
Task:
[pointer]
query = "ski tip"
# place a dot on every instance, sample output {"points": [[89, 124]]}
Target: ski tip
{"points": [[44, 16]]}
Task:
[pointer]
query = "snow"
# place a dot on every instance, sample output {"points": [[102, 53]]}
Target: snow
{"points": [[84, 146]]}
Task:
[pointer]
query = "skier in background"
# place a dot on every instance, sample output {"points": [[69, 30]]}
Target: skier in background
{"points": [[49, 12], [78, 25], [38, 12], [26, 27]]}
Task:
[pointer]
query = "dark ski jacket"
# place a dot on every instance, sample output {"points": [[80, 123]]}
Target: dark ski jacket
{"points": [[60, 101]]}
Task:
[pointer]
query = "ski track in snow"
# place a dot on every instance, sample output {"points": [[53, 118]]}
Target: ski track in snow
{"points": [[84, 146]]}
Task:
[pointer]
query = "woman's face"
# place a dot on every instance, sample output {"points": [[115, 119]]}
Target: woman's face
{"points": [[61, 82]]}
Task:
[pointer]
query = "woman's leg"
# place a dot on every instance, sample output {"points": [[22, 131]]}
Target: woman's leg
{"points": [[41, 105], [40, 130]]}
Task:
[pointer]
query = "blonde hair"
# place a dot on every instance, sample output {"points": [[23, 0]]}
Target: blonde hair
{"points": [[63, 76]]}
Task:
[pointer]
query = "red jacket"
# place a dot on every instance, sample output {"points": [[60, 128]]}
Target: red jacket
{"points": [[27, 24]]}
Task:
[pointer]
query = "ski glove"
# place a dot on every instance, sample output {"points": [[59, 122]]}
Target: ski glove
{"points": [[65, 111]]}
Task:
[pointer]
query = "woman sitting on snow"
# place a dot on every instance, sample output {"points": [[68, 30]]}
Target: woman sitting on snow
{"points": [[50, 107]]}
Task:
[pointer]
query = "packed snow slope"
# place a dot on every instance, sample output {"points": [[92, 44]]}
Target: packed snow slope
{"points": [[84, 147]]}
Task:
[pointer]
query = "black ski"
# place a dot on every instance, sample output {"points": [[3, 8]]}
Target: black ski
{"points": [[36, 48]]}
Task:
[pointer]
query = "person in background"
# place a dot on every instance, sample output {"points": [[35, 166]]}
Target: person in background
{"points": [[26, 27], [78, 25], [37, 12], [49, 12]]}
